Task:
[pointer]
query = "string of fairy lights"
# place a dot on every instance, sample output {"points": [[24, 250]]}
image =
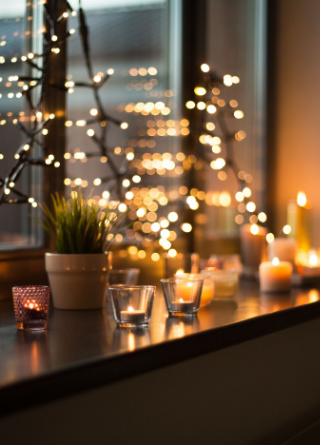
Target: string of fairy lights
{"points": [[155, 213]]}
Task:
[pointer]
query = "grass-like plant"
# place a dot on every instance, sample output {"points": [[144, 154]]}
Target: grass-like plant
{"points": [[77, 225]]}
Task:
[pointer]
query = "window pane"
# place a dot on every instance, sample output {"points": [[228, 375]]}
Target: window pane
{"points": [[18, 36], [131, 37]]}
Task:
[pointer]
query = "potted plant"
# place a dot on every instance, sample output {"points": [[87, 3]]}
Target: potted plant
{"points": [[78, 270]]}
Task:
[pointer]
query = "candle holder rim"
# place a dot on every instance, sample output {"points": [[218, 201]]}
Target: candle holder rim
{"points": [[30, 286], [181, 277], [131, 286]]}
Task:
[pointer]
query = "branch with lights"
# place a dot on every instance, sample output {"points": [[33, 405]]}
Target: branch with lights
{"points": [[38, 82]]}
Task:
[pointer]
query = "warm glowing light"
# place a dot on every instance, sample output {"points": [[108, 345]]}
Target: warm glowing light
{"points": [[173, 216], [124, 125], [94, 112], [201, 105], [262, 217], [239, 196], [142, 254], [97, 181], [227, 80], [218, 164], [136, 179], [205, 68], [190, 105], [225, 199], [211, 109], [200, 91], [301, 199], [313, 259], [186, 227], [270, 237], [155, 257], [122, 207], [251, 207], [286, 229], [238, 114], [254, 229], [275, 261]]}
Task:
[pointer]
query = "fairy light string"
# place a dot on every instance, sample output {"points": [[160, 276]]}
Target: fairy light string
{"points": [[9, 193], [163, 217]]}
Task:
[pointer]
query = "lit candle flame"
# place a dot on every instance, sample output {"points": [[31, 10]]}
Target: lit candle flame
{"points": [[301, 199], [254, 229], [275, 261], [313, 259], [130, 309]]}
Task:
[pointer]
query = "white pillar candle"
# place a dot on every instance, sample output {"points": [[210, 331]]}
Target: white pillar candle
{"points": [[285, 249], [275, 276]]}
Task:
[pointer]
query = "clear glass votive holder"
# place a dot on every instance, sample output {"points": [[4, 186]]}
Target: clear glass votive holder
{"points": [[128, 276], [207, 292], [31, 307], [131, 305], [225, 282], [182, 295]]}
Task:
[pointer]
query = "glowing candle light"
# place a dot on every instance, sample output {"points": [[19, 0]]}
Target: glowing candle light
{"points": [[275, 276], [132, 315], [253, 247], [298, 217]]}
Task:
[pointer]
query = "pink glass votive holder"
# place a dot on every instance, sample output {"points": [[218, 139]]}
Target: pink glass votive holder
{"points": [[31, 306]]}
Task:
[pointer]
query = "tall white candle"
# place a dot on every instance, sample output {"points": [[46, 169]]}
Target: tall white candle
{"points": [[298, 218]]}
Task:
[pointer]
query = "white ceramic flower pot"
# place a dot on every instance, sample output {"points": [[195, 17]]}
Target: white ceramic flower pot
{"points": [[78, 281]]}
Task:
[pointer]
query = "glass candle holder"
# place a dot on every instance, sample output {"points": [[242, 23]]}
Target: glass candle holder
{"points": [[207, 292], [182, 294], [131, 305], [31, 306], [225, 282], [128, 276]]}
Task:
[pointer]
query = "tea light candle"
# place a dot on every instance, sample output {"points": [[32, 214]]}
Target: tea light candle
{"points": [[182, 306], [186, 289], [132, 316], [308, 264], [275, 276]]}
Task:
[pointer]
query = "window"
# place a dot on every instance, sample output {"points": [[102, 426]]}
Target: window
{"points": [[20, 26], [142, 41]]}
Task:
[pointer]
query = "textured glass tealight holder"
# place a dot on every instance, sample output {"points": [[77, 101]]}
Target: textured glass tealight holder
{"points": [[182, 294], [129, 276], [225, 282], [131, 305], [31, 307]]}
